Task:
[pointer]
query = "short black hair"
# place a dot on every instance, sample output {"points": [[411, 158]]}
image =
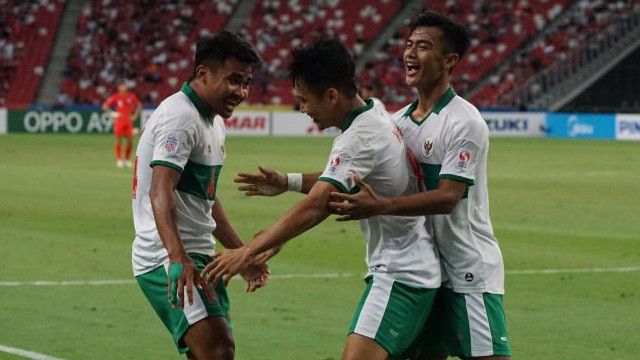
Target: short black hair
{"points": [[215, 50], [456, 37], [324, 64]]}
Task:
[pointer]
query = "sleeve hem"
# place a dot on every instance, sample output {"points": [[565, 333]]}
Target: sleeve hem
{"points": [[166, 164], [457, 178], [335, 183]]}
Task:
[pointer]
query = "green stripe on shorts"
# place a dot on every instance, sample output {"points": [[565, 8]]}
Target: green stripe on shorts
{"points": [[392, 313], [154, 287]]}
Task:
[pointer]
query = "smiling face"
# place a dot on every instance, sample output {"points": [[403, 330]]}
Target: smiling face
{"points": [[226, 86], [425, 59], [319, 107]]}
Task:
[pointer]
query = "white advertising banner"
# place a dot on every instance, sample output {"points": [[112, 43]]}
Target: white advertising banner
{"points": [[515, 124], [3, 121], [240, 123], [628, 127], [248, 123], [293, 123]]}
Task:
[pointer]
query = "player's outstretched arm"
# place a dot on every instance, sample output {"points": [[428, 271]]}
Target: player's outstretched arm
{"points": [[268, 182], [306, 214], [367, 203]]}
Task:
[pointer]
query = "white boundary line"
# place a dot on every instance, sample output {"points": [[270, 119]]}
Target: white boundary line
{"points": [[574, 271], [26, 354], [314, 276]]}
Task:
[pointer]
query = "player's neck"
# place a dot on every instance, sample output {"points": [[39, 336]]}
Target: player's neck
{"points": [[347, 108], [197, 88], [429, 96], [357, 103]]}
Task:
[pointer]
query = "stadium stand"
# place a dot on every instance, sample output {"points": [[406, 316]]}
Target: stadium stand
{"points": [[497, 28], [579, 33], [28, 29], [147, 42], [277, 26], [515, 45]]}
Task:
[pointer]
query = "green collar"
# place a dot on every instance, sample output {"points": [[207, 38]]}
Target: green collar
{"points": [[347, 122], [440, 104], [203, 109]]}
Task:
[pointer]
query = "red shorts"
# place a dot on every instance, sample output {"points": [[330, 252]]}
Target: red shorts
{"points": [[123, 128]]}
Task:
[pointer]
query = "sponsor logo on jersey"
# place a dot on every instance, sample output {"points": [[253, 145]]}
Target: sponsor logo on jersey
{"points": [[464, 157], [171, 145], [468, 277], [427, 147]]}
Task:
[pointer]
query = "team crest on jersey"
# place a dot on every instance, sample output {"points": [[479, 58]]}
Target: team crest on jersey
{"points": [[427, 147], [171, 145]]}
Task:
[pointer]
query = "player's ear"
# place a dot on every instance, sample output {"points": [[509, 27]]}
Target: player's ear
{"points": [[334, 95], [450, 60], [201, 72]]}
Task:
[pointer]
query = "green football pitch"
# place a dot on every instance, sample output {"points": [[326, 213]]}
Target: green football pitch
{"points": [[566, 213]]}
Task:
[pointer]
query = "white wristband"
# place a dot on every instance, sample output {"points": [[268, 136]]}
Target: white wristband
{"points": [[294, 182]]}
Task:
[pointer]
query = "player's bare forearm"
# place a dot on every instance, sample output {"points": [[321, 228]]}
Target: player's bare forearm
{"points": [[224, 232], [367, 203], [308, 181], [306, 214], [163, 183], [440, 201]]}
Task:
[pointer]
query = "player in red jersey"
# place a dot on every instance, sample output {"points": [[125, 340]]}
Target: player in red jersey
{"points": [[127, 107]]}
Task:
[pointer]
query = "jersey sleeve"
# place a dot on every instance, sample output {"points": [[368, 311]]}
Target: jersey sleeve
{"points": [[174, 139], [463, 152], [350, 155]]}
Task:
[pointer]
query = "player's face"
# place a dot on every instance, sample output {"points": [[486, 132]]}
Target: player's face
{"points": [[122, 88], [425, 60], [317, 107], [227, 86]]}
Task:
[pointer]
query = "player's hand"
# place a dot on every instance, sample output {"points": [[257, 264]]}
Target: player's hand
{"points": [[227, 264], [265, 183], [361, 205], [183, 274], [255, 276]]}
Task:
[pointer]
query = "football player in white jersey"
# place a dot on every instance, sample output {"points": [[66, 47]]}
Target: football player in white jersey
{"points": [[175, 207], [450, 141], [403, 268]]}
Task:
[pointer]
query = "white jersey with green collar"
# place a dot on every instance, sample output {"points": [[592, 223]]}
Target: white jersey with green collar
{"points": [[397, 247], [452, 142], [183, 135]]}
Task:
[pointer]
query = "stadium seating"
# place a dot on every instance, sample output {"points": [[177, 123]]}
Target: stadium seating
{"points": [[276, 26], [588, 22], [27, 34], [148, 42], [497, 28]]}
